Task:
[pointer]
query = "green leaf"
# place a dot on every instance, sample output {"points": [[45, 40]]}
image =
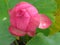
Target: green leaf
{"points": [[56, 38], [5, 37], [40, 39], [46, 32]]}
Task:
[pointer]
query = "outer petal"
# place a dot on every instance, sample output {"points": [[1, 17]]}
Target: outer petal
{"points": [[16, 32], [32, 33], [32, 11], [12, 17], [33, 24], [22, 22], [13, 21], [45, 22]]}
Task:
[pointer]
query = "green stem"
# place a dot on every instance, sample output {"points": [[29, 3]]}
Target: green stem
{"points": [[16, 43]]}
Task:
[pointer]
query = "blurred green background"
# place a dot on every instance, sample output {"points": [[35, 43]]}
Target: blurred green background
{"points": [[50, 36]]}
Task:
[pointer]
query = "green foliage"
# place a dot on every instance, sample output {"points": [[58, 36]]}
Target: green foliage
{"points": [[56, 26], [56, 38], [44, 31], [40, 39], [47, 7], [5, 37]]}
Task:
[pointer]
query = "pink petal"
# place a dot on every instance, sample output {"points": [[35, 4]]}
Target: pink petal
{"points": [[32, 11], [32, 33], [45, 22], [16, 32], [33, 24], [13, 21], [22, 22], [26, 23]]}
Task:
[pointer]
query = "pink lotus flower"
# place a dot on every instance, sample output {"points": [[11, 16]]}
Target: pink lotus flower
{"points": [[24, 19]]}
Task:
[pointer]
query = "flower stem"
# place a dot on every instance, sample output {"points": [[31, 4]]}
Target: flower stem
{"points": [[16, 42]]}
